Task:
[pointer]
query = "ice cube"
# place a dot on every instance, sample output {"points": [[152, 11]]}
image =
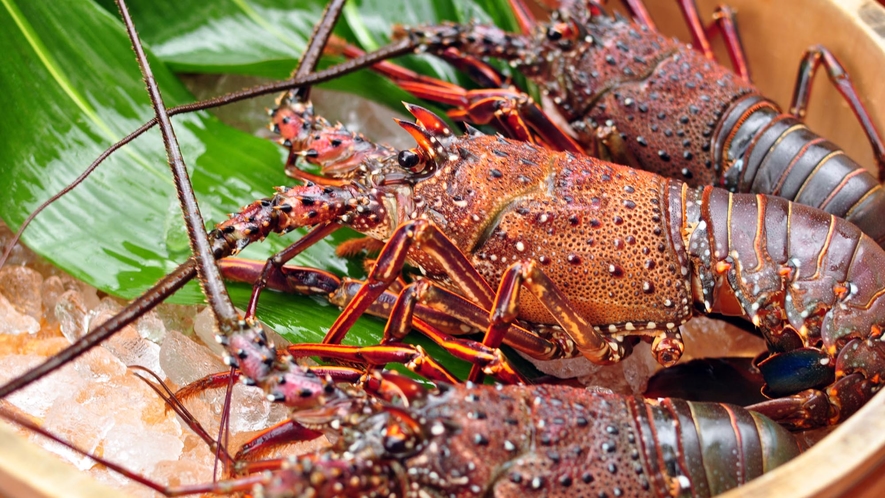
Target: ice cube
{"points": [[249, 409], [39, 397], [185, 361], [204, 328], [141, 454], [14, 322], [72, 314], [23, 286], [151, 327]]}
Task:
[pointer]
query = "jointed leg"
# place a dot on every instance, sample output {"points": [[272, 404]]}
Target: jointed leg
{"points": [[640, 13], [725, 22], [510, 110], [811, 61], [696, 28]]}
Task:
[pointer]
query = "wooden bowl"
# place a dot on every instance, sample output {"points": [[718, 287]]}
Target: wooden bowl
{"points": [[775, 34]]}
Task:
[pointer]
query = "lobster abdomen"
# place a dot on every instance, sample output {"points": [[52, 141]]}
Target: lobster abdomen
{"points": [[561, 441], [812, 283], [765, 151]]}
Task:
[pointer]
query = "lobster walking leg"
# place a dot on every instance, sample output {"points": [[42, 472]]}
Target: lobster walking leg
{"points": [[640, 13], [282, 257], [437, 312], [811, 61], [696, 28], [725, 21], [510, 110], [472, 285]]}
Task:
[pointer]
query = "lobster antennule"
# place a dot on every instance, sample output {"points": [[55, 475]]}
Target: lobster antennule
{"points": [[428, 120]]}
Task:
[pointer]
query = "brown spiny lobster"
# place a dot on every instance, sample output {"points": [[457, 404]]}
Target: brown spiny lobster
{"points": [[635, 97], [391, 436], [608, 253]]}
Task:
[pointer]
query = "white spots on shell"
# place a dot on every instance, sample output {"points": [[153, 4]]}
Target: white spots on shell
{"points": [[683, 483], [520, 246]]}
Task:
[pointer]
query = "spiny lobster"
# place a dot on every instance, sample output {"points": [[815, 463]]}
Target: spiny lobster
{"points": [[635, 97], [651, 248], [391, 436], [396, 438]]}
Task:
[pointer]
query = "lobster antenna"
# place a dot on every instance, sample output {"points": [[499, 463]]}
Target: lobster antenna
{"points": [[317, 44], [207, 270], [396, 49], [158, 386]]}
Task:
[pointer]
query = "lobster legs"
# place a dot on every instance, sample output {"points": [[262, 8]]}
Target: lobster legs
{"points": [[472, 285], [812, 59]]}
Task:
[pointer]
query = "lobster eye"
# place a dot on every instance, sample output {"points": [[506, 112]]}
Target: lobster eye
{"points": [[563, 34], [553, 34], [408, 159]]}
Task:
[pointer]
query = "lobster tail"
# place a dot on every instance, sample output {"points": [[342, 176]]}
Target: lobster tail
{"points": [[776, 154], [804, 278], [558, 440], [694, 445]]}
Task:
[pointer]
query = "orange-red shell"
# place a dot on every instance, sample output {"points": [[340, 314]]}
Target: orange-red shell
{"points": [[600, 231]]}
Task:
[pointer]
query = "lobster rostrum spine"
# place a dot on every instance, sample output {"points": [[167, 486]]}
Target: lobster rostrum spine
{"points": [[639, 98]]}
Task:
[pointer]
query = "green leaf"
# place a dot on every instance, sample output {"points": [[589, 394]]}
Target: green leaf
{"points": [[266, 37], [73, 88]]}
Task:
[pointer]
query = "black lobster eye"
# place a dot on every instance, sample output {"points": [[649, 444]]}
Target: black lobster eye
{"points": [[408, 159], [554, 34]]}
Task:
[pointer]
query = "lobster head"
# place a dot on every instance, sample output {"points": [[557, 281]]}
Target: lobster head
{"points": [[582, 53], [371, 193]]}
